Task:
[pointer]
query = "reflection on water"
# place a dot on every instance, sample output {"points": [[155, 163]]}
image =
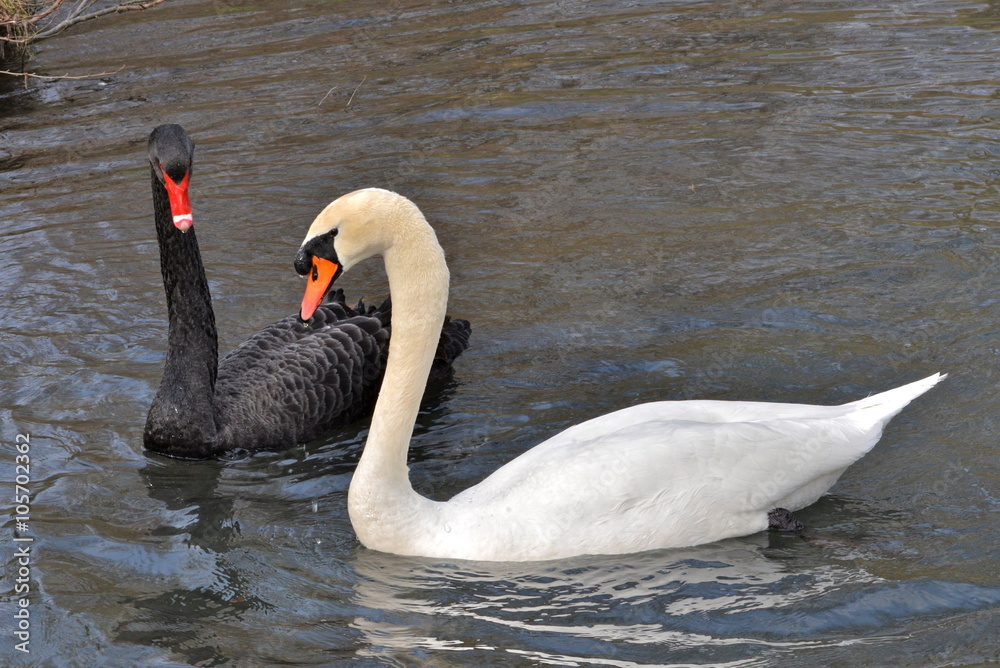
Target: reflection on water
{"points": [[639, 201], [739, 602], [573, 607]]}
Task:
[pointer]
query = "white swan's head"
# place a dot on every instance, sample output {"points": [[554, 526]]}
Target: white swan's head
{"points": [[350, 229]]}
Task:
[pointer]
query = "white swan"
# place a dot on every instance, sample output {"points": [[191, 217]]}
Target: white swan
{"points": [[665, 474]]}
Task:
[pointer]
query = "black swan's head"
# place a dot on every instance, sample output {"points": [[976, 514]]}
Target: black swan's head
{"points": [[171, 153]]}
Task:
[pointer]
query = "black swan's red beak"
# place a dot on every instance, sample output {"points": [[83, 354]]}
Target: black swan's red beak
{"points": [[180, 203]]}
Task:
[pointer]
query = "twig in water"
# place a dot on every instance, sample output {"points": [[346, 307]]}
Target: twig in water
{"points": [[355, 91], [327, 95]]}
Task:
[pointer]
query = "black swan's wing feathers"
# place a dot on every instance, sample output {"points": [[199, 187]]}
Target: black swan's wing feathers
{"points": [[453, 342], [291, 382]]}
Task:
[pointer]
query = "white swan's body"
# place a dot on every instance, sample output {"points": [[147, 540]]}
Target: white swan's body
{"points": [[665, 474]]}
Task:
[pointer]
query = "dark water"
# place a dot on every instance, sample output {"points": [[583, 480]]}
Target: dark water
{"points": [[647, 200]]}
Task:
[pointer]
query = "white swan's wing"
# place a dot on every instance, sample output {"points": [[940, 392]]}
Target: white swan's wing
{"points": [[661, 483], [643, 477]]}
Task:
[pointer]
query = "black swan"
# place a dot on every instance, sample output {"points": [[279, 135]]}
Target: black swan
{"points": [[290, 382]]}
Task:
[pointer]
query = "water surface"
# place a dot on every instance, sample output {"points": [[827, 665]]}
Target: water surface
{"points": [[792, 201]]}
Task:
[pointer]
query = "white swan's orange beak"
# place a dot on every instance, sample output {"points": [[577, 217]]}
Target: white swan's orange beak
{"points": [[180, 204], [317, 283]]}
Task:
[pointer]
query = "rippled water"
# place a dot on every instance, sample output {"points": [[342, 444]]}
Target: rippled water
{"points": [[765, 201]]}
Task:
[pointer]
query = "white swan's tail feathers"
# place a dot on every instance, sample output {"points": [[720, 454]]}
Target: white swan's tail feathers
{"points": [[885, 405]]}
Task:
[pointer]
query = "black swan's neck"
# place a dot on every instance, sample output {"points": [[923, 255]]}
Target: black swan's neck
{"points": [[181, 420]]}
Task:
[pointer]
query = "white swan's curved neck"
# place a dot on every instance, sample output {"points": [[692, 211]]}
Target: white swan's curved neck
{"points": [[382, 504]]}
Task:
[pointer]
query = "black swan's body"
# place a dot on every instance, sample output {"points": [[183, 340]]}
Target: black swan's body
{"points": [[288, 383]]}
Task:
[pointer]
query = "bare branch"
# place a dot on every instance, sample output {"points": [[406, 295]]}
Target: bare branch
{"points": [[27, 75], [45, 12], [77, 16]]}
